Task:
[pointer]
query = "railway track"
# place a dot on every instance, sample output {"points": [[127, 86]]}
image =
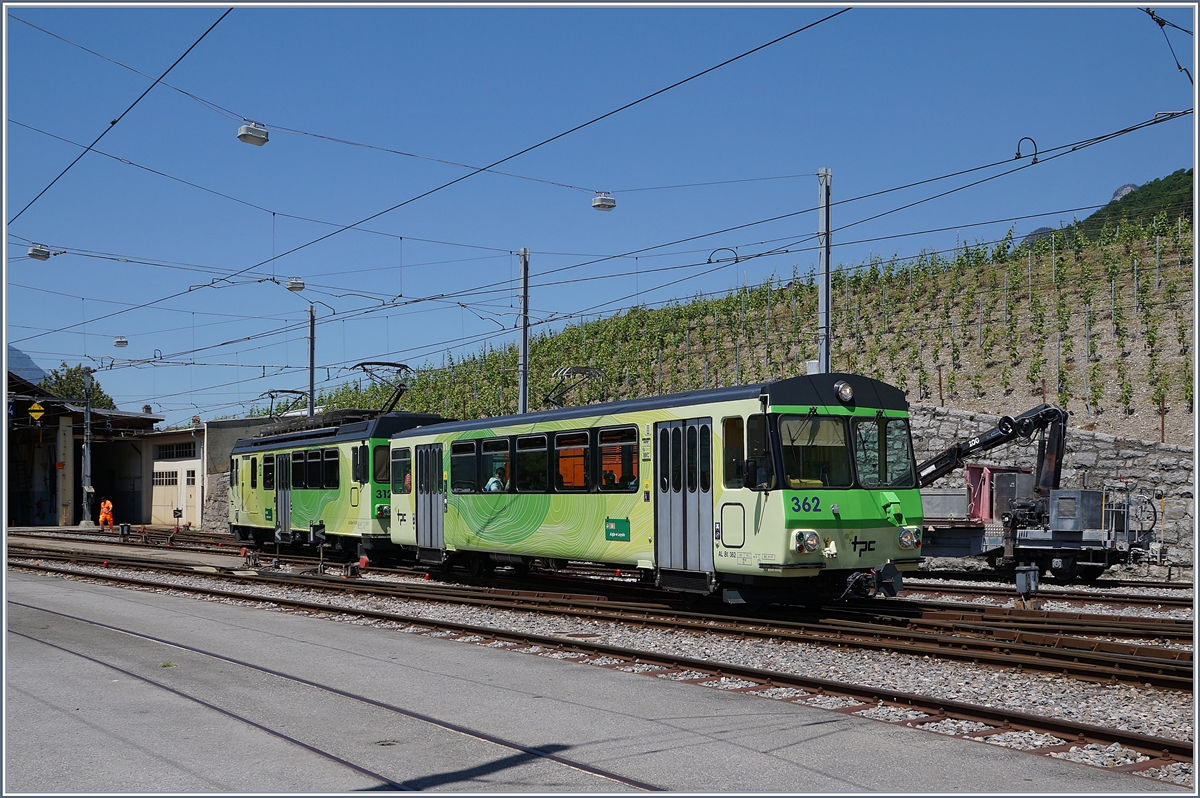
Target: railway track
{"points": [[901, 708], [994, 641]]}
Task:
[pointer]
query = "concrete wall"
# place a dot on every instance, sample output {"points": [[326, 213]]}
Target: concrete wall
{"points": [[1100, 459]]}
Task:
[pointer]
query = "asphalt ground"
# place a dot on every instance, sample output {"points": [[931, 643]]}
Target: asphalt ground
{"points": [[113, 690]]}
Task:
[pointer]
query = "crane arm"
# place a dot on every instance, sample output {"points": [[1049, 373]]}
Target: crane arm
{"points": [[1023, 426]]}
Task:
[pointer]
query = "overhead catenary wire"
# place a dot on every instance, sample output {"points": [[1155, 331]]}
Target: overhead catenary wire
{"points": [[517, 154], [114, 122]]}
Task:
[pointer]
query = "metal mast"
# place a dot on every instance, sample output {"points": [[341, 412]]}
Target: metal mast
{"points": [[825, 178]]}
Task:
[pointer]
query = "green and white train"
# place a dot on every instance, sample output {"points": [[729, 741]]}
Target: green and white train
{"points": [[804, 486], [320, 478]]}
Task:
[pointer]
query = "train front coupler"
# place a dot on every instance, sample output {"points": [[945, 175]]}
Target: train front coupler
{"points": [[867, 584]]}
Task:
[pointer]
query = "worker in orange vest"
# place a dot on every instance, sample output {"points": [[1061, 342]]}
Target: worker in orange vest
{"points": [[106, 513]]}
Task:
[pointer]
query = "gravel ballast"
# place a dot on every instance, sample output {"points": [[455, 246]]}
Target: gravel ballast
{"points": [[1144, 710]]}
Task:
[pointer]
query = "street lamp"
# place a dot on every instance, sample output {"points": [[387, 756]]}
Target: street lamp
{"points": [[252, 134], [603, 202], [120, 342]]}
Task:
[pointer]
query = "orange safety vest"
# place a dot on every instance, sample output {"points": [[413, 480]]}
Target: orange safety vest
{"points": [[106, 509]]}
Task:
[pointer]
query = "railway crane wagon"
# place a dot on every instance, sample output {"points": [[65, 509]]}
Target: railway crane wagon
{"points": [[759, 493], [323, 479]]}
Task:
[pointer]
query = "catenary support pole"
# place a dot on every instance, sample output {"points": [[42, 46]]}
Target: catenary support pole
{"points": [[312, 357], [825, 180], [523, 366]]}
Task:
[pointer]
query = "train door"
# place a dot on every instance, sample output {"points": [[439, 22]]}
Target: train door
{"points": [[283, 498], [430, 505], [683, 512]]}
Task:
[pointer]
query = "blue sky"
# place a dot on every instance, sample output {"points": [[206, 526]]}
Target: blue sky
{"points": [[882, 96]]}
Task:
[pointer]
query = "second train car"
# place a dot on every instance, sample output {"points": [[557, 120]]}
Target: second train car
{"points": [[774, 492]]}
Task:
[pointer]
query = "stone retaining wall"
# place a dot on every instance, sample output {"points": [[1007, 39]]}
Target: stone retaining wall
{"points": [[216, 504], [1098, 458]]}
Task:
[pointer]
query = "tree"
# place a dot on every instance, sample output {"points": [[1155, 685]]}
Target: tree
{"points": [[66, 382]]}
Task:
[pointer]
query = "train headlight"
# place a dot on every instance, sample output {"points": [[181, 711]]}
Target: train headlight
{"points": [[383, 511], [845, 392], [807, 540], [910, 537]]}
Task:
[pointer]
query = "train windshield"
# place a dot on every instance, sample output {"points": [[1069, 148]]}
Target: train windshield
{"points": [[816, 452], [883, 453]]}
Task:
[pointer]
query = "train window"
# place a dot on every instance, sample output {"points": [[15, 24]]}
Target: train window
{"points": [[381, 467], [815, 452], [495, 466], [618, 459], [571, 451], [758, 451], [735, 451], [330, 476], [269, 472], [233, 473], [402, 471], [664, 460], [314, 468], [298, 470], [705, 458], [693, 473], [253, 472], [533, 464], [882, 453], [462, 467]]}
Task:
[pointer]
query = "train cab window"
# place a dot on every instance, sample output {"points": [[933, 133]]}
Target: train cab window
{"points": [[815, 452], [269, 472], [253, 472], [571, 453], [381, 464], [314, 468], [533, 464], [402, 471], [329, 457], [734, 451], [882, 453], [299, 472], [618, 459], [757, 449], [495, 466], [463, 477]]}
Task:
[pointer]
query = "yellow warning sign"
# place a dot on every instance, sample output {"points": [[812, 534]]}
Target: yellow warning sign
{"points": [[35, 411]]}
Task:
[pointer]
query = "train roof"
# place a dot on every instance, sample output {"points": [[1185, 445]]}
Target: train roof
{"points": [[335, 427], [804, 390]]}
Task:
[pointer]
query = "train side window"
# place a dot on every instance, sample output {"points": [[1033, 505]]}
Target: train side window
{"points": [[734, 458], [705, 458], [495, 466], [298, 470], [381, 466], [618, 459], [463, 478], [402, 471], [233, 473], [571, 451], [533, 464], [253, 472], [331, 464], [314, 468], [269, 472]]}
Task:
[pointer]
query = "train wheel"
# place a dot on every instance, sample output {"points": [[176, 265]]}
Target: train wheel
{"points": [[521, 569], [1090, 573], [479, 565], [1066, 574]]}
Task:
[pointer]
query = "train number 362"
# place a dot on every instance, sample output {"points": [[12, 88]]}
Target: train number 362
{"points": [[810, 504]]}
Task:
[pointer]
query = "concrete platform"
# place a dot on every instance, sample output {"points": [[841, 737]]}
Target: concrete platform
{"points": [[95, 709], [107, 548]]}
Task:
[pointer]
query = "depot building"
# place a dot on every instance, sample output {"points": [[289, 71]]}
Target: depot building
{"points": [[151, 475]]}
